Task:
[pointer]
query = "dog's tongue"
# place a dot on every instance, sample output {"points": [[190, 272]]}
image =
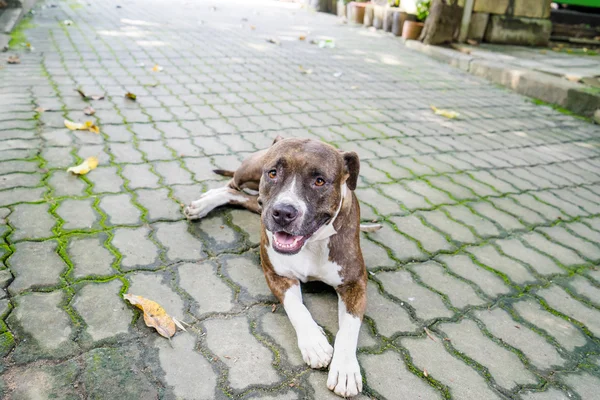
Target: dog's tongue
{"points": [[285, 238]]}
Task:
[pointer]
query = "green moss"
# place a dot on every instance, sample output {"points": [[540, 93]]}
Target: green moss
{"points": [[7, 342], [559, 109], [17, 36]]}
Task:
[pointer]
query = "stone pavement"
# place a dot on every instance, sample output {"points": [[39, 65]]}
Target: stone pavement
{"points": [[483, 283]]}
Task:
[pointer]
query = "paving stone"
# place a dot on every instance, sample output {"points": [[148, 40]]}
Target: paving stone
{"points": [[566, 207], [66, 184], [155, 150], [564, 332], [482, 226], [560, 235], [433, 195], [247, 272], [525, 215], [550, 394], [387, 374], [12, 196], [539, 262], [90, 257], [78, 214], [140, 176], [487, 281], [401, 285], [180, 244], [457, 231], [172, 173], [548, 212], [25, 265], [490, 257], [112, 373], [374, 255], [390, 317], [20, 180], [383, 205], [249, 223], [431, 241], [186, 370], [400, 195], [505, 221], [459, 293], [31, 221], [565, 256], [217, 234], [137, 249], [106, 179], [157, 286], [249, 363], [585, 385], [202, 282], [558, 299], [103, 310], [46, 381], [120, 210], [125, 153], [402, 248], [463, 381], [159, 205], [500, 324], [583, 287], [278, 326], [504, 366], [455, 191], [41, 316]]}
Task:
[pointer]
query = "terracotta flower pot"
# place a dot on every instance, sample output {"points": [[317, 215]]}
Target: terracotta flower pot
{"points": [[411, 30]]}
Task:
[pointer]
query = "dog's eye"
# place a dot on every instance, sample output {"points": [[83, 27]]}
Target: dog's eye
{"points": [[319, 182], [272, 174]]}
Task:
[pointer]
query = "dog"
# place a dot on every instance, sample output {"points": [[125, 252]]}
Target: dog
{"points": [[310, 230]]}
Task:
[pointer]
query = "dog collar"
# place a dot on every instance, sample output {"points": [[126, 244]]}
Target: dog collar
{"points": [[328, 230]]}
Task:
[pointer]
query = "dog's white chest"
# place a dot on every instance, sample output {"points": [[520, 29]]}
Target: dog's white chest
{"points": [[310, 264]]}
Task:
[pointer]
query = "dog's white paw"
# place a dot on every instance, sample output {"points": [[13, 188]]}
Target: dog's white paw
{"points": [[197, 209], [344, 376], [315, 348]]}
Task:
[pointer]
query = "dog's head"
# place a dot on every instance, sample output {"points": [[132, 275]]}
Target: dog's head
{"points": [[301, 189]]}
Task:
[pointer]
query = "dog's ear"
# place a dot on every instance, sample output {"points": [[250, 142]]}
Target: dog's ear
{"points": [[352, 166], [277, 139]]}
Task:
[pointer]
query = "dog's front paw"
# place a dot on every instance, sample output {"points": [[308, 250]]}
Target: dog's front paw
{"points": [[196, 210], [315, 348], [344, 377]]}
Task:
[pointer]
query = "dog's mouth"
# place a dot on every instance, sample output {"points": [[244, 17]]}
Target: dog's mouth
{"points": [[286, 243]]}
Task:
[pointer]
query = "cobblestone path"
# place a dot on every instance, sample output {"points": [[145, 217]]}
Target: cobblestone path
{"points": [[483, 283]]}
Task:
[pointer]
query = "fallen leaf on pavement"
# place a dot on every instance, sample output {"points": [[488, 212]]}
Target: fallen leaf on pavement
{"points": [[305, 71], [274, 41], [86, 126], [67, 22], [131, 96], [252, 27], [40, 110], [157, 68], [425, 373], [273, 308], [301, 37], [13, 59], [89, 111], [179, 324], [89, 164], [29, 47], [445, 113], [154, 315], [429, 334], [337, 74], [89, 96]]}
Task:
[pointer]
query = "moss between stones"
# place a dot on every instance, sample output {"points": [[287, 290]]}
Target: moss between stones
{"points": [[7, 342], [17, 36]]}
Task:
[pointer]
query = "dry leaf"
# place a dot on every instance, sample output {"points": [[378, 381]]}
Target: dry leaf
{"points": [[273, 308], [131, 96], [67, 22], [337, 74], [252, 27], [89, 111], [89, 164], [40, 110], [157, 68], [154, 315], [301, 37], [13, 59], [425, 372], [429, 334], [179, 324], [86, 126], [89, 96], [305, 71], [445, 113]]}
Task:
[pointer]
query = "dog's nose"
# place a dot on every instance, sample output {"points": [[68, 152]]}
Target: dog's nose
{"points": [[283, 214]]}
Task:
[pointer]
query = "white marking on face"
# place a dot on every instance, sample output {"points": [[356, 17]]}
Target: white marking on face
{"points": [[311, 263], [314, 346], [210, 200], [344, 372], [292, 195]]}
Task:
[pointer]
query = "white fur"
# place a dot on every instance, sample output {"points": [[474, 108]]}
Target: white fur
{"points": [[309, 264], [344, 372], [314, 346], [292, 196], [209, 201]]}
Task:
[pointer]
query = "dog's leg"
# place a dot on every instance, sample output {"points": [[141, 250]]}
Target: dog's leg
{"points": [[344, 372], [217, 197]]}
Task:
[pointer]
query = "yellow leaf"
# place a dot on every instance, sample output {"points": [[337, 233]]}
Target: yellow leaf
{"points": [[157, 68], [154, 315], [74, 126], [131, 96], [445, 113], [301, 37], [89, 164]]}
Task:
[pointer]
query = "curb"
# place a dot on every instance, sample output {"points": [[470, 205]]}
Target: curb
{"points": [[572, 96]]}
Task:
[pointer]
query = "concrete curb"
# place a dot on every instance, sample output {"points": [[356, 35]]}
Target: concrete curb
{"points": [[572, 96]]}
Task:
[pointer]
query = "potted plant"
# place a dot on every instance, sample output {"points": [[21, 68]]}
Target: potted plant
{"points": [[411, 30]]}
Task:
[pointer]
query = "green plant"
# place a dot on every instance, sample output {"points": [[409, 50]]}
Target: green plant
{"points": [[394, 3], [423, 9]]}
